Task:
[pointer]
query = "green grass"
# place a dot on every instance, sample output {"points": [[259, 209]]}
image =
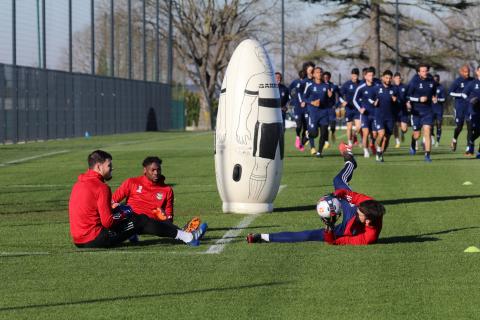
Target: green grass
{"points": [[418, 270]]}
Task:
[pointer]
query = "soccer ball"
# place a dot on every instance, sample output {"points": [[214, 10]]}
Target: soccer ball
{"points": [[329, 206]]}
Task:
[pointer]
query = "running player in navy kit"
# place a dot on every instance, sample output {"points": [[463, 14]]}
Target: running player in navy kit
{"points": [[317, 96], [306, 82], [363, 101], [421, 92], [332, 101], [437, 107], [385, 97], [299, 112], [284, 96], [402, 116], [352, 116], [461, 105], [471, 94]]}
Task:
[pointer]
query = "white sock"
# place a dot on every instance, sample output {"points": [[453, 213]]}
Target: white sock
{"points": [[349, 142], [454, 140], [265, 237], [397, 140], [184, 236], [365, 150]]}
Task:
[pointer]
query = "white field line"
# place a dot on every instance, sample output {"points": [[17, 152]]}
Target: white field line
{"points": [[32, 158], [23, 253], [230, 235], [234, 232]]}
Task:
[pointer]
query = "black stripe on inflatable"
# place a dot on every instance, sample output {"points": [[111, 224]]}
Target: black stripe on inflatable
{"points": [[252, 93], [223, 90], [269, 103]]}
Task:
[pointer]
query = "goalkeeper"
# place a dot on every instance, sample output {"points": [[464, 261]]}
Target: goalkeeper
{"points": [[362, 215], [94, 225]]}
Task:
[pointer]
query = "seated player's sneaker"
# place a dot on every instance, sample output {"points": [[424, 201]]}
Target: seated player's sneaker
{"points": [[254, 238], [453, 146], [427, 158], [412, 151], [326, 146], [313, 151], [192, 224], [197, 235], [297, 143], [318, 155]]}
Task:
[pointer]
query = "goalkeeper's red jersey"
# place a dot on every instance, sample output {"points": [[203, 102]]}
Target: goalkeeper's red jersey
{"points": [[89, 207], [146, 197], [356, 233]]}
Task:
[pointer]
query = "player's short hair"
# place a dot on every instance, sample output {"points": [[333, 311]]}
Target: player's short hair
{"points": [[436, 77], [355, 71], [465, 66], [364, 70], [373, 68], [149, 160], [373, 210], [307, 64], [397, 74], [370, 70], [328, 74], [387, 73], [319, 68], [423, 65], [301, 74], [98, 156]]}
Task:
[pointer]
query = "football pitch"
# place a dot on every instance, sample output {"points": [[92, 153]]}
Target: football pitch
{"points": [[418, 270]]}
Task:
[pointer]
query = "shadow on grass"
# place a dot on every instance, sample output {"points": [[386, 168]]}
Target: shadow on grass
{"points": [[425, 237], [234, 228], [144, 296], [386, 202]]}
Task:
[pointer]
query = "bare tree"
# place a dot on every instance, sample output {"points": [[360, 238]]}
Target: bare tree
{"points": [[426, 34], [206, 32]]}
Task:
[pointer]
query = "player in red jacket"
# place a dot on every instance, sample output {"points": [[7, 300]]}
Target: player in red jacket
{"points": [[148, 194], [92, 222], [362, 215]]}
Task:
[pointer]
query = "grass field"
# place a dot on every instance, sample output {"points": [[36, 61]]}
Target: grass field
{"points": [[418, 270]]}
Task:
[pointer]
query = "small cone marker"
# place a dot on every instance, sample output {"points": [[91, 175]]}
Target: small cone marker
{"points": [[472, 249]]}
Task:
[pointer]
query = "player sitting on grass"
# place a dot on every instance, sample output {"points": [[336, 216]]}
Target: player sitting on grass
{"points": [[92, 222], [362, 215]]}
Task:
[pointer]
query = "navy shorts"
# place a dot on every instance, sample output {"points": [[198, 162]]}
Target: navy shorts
{"points": [[437, 112], [351, 114], [317, 118], [368, 122], [385, 124], [461, 114], [422, 118]]}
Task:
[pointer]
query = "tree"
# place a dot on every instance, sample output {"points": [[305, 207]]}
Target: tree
{"points": [[428, 39], [206, 32]]}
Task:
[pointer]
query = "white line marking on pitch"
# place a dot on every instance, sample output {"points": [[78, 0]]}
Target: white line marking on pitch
{"points": [[14, 254], [234, 232], [32, 158], [230, 235]]}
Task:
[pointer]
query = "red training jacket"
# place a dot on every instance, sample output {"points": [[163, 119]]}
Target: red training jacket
{"points": [[89, 207], [146, 197], [356, 233]]}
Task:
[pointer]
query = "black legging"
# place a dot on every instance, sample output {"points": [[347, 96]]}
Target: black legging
{"points": [[136, 224], [323, 137]]}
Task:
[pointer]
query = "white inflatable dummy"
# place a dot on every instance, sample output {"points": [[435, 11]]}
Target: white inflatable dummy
{"points": [[249, 133]]}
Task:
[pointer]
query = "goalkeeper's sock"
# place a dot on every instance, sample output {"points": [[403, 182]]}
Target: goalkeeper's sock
{"points": [[265, 237], [184, 236]]}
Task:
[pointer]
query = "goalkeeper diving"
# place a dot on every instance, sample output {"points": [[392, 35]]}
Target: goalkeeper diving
{"points": [[362, 215]]}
